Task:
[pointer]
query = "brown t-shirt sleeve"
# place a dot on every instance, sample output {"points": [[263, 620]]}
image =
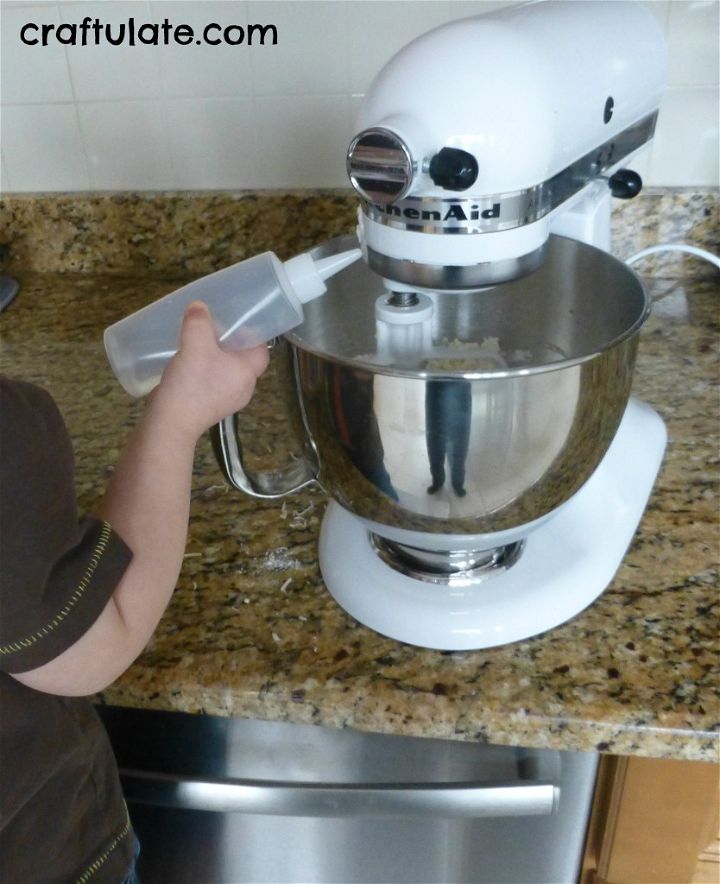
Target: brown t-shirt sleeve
{"points": [[57, 573]]}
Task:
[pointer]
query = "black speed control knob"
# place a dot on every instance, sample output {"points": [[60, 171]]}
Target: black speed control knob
{"points": [[453, 169], [625, 184]]}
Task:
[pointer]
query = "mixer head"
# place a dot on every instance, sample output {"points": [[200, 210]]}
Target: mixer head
{"points": [[476, 135]]}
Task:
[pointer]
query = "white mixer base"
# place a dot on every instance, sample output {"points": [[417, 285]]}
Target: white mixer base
{"points": [[567, 563]]}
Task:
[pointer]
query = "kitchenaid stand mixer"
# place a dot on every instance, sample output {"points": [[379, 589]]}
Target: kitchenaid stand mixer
{"points": [[464, 395]]}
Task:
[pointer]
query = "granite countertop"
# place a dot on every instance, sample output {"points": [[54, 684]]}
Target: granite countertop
{"points": [[252, 632]]}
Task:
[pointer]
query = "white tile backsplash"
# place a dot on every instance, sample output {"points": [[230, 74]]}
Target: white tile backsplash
{"points": [[109, 72], [5, 184], [687, 154], [43, 148], [212, 143], [203, 70], [302, 140], [245, 116], [694, 43], [31, 73], [126, 145], [661, 10], [294, 70]]}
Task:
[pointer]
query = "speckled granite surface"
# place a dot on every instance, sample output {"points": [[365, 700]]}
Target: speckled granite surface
{"points": [[176, 234], [195, 233], [252, 632]]}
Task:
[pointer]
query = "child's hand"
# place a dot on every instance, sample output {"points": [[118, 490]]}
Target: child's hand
{"points": [[202, 383]]}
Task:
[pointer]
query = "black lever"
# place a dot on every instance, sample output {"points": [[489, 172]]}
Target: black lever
{"points": [[625, 184]]}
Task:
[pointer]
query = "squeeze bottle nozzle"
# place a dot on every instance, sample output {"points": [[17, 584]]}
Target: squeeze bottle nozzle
{"points": [[307, 275], [250, 302]]}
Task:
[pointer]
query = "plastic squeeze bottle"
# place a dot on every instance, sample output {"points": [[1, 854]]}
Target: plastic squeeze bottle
{"points": [[250, 302]]}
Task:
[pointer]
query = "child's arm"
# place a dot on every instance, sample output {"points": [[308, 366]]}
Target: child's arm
{"points": [[147, 503]]}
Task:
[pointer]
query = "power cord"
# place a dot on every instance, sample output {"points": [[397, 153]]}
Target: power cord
{"points": [[676, 247]]}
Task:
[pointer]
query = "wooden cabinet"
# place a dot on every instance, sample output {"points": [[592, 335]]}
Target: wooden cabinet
{"points": [[651, 820]]}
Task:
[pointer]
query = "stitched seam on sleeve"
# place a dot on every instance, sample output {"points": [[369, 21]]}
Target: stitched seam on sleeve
{"points": [[97, 554], [90, 871]]}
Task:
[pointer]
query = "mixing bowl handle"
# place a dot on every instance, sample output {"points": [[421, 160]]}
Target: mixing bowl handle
{"points": [[265, 484]]}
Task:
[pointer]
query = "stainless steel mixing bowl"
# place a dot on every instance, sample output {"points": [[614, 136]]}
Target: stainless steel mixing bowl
{"points": [[498, 424]]}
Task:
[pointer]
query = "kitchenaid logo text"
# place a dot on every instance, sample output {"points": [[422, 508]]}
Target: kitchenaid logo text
{"points": [[455, 212], [94, 32]]}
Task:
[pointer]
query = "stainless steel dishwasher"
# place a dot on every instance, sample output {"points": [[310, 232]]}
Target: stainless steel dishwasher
{"points": [[226, 801]]}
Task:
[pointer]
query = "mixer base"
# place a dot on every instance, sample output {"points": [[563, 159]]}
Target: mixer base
{"points": [[566, 564]]}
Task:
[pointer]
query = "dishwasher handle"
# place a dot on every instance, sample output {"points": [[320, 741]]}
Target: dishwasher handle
{"points": [[445, 800]]}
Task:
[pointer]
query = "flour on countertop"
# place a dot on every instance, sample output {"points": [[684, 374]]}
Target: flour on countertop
{"points": [[279, 560]]}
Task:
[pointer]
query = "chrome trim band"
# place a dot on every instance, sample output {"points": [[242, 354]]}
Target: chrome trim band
{"points": [[504, 211], [440, 276], [450, 568]]}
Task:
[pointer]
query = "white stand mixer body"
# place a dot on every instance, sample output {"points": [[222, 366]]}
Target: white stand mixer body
{"points": [[476, 142], [531, 92], [548, 98]]}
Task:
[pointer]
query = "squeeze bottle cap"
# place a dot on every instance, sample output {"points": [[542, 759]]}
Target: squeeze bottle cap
{"points": [[307, 275]]}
